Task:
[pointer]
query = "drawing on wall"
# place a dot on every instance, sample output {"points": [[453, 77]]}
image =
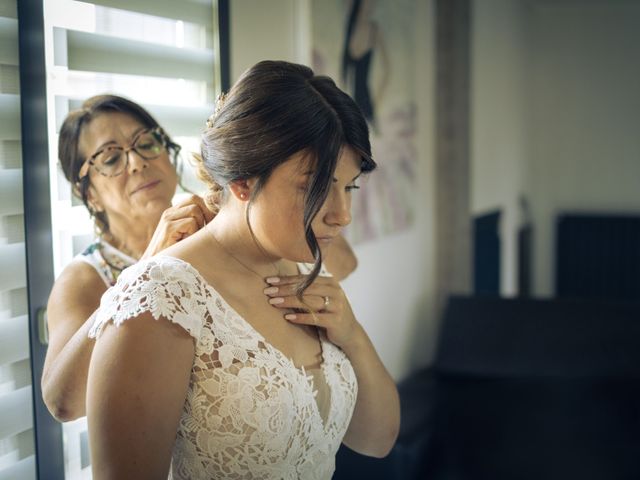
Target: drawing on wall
{"points": [[368, 47]]}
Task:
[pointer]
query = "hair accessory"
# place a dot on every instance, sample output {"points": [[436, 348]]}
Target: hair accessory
{"points": [[219, 103]]}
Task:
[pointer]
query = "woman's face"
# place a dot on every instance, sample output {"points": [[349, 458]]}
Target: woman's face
{"points": [[143, 190], [277, 213]]}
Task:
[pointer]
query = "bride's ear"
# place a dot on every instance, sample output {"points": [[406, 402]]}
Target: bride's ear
{"points": [[241, 189]]}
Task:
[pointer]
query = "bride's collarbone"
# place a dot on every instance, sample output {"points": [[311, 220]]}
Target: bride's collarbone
{"points": [[244, 294]]}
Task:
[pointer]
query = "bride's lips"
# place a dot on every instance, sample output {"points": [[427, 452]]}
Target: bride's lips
{"points": [[325, 240], [146, 186]]}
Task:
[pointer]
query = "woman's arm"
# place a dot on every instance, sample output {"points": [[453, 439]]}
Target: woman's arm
{"points": [[74, 297], [341, 261], [138, 380]]}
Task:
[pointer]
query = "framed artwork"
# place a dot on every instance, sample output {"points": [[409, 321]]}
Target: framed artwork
{"points": [[368, 47]]}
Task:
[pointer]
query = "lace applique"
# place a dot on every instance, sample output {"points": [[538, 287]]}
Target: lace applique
{"points": [[249, 412], [158, 288]]}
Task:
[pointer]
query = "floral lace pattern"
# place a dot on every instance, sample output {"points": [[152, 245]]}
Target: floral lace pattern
{"points": [[249, 412]]}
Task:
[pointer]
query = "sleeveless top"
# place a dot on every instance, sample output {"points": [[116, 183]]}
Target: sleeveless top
{"points": [[106, 259], [249, 411]]}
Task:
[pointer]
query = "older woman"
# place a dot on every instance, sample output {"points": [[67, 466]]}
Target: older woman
{"points": [[121, 163], [211, 375]]}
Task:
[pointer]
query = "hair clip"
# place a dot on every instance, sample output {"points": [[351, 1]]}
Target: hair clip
{"points": [[219, 103]]}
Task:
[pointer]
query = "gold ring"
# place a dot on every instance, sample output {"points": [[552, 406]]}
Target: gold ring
{"points": [[326, 302]]}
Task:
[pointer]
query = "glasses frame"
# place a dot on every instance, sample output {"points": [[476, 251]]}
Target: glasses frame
{"points": [[90, 162]]}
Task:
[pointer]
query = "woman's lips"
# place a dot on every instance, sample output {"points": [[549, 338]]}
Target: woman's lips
{"points": [[325, 240], [146, 186]]}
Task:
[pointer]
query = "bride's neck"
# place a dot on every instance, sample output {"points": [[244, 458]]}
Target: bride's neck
{"points": [[229, 228]]}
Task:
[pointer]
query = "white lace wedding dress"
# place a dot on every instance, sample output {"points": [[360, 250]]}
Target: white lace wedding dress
{"points": [[249, 412]]}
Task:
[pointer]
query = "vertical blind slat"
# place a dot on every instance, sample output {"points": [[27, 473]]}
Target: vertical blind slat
{"points": [[95, 52], [13, 262], [8, 8], [24, 469], [179, 121], [9, 115], [198, 12], [8, 41], [14, 339], [10, 191], [17, 412]]}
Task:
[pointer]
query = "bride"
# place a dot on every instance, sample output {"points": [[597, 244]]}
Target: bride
{"points": [[237, 354]]}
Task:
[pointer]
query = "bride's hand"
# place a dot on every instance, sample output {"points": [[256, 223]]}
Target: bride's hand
{"points": [[324, 305]]}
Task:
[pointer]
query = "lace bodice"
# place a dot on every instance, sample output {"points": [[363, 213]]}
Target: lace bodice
{"points": [[249, 412]]}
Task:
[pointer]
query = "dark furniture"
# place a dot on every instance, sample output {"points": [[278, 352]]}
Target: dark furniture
{"points": [[521, 390], [537, 390]]}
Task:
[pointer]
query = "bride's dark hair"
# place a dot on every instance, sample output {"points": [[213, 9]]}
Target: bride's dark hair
{"points": [[277, 109]]}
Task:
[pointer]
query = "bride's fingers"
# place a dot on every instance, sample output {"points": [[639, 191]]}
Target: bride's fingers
{"points": [[316, 319], [290, 290], [297, 279], [314, 303]]}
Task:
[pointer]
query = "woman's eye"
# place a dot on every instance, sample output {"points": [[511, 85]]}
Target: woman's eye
{"points": [[351, 188], [112, 159]]}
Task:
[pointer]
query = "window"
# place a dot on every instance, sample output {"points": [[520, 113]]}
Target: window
{"points": [[162, 55], [17, 450]]}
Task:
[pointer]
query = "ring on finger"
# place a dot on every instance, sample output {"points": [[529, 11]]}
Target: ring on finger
{"points": [[326, 302]]}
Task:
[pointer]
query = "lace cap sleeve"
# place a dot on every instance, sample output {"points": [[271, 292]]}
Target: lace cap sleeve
{"points": [[163, 286]]}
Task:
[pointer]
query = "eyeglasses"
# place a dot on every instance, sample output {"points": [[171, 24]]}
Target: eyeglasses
{"points": [[112, 160]]}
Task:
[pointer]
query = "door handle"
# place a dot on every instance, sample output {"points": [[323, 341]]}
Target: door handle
{"points": [[43, 329]]}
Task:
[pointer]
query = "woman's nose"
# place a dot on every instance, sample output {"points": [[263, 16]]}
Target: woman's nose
{"points": [[135, 162], [339, 210]]}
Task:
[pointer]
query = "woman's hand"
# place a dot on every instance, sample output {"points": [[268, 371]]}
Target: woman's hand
{"points": [[375, 422], [178, 222], [324, 305]]}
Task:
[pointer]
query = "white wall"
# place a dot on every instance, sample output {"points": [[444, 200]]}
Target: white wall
{"points": [[585, 116], [556, 114], [389, 290], [268, 30], [499, 53]]}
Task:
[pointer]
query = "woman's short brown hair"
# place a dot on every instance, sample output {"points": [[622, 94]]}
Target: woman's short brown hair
{"points": [[70, 157]]}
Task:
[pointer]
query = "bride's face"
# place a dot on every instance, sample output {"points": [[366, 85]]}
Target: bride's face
{"points": [[277, 212]]}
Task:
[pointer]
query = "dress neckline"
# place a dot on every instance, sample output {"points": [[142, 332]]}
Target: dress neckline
{"points": [[301, 369]]}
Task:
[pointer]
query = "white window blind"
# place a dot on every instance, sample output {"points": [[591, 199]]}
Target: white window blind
{"points": [[17, 458], [161, 54]]}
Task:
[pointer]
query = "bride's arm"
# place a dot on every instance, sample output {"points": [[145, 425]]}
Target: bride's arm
{"points": [[138, 379], [375, 423]]}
